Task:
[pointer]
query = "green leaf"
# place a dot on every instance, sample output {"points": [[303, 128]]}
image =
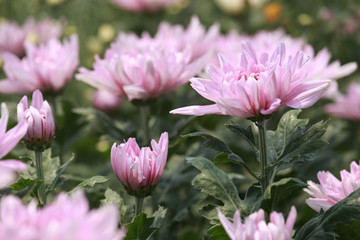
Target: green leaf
{"points": [[323, 225], [217, 233], [293, 141], [140, 228], [126, 211], [279, 191], [58, 180], [159, 217], [90, 182], [253, 198], [217, 184], [211, 142], [246, 134]]}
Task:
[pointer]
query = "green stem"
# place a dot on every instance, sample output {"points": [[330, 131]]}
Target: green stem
{"points": [[138, 205], [40, 174], [263, 156], [145, 117]]}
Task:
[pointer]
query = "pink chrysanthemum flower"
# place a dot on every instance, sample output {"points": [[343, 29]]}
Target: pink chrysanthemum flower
{"points": [[144, 5], [13, 36], [346, 106], [139, 170], [331, 190], [255, 227], [144, 68], [8, 140], [47, 67], [258, 85], [65, 218], [317, 68]]}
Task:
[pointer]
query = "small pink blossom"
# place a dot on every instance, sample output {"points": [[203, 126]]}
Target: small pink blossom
{"points": [[255, 227], [346, 106], [144, 68], [139, 170], [106, 101], [144, 5], [65, 218], [8, 140], [47, 67], [331, 190], [258, 85], [41, 125], [44, 29]]}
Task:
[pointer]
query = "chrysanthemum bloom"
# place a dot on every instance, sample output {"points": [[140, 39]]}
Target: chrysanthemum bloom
{"points": [[13, 36], [258, 85], [106, 101], [139, 170], [194, 37], [256, 228], [47, 67], [43, 30], [332, 190], [142, 68], [65, 218], [318, 66], [144, 5], [41, 125], [346, 106], [8, 140]]}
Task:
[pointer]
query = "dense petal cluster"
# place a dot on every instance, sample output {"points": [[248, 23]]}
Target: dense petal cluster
{"points": [[8, 140], [346, 106], [144, 5], [139, 170], [144, 68], [258, 85], [41, 125], [331, 190], [255, 227], [317, 68], [66, 218], [13, 36], [47, 67]]}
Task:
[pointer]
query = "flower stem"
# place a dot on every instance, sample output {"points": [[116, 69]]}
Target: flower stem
{"points": [[40, 174], [145, 117], [138, 205], [264, 178]]}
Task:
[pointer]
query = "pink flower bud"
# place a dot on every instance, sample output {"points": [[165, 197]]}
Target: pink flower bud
{"points": [[139, 170], [41, 125]]}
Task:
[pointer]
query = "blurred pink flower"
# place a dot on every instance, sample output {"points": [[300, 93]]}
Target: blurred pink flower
{"points": [[255, 226], [44, 29], [41, 125], [47, 67], [144, 5], [139, 170], [346, 106], [66, 218], [8, 140], [13, 36], [106, 101], [258, 85], [144, 68], [318, 66], [331, 190]]}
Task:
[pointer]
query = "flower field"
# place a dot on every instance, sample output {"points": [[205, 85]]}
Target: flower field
{"points": [[179, 119]]}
